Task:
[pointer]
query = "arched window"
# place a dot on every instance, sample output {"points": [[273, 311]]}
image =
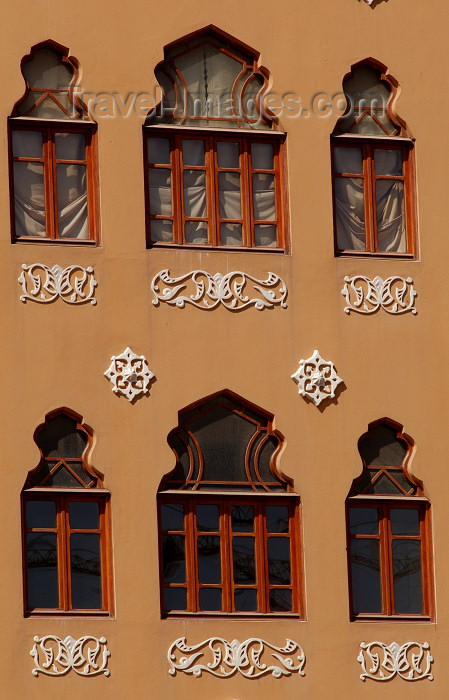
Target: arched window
{"points": [[373, 168], [223, 186], [52, 152], [389, 530], [66, 523], [228, 518]]}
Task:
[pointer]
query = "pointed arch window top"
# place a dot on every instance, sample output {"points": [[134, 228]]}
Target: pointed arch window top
{"points": [[50, 76], [209, 78], [224, 442]]}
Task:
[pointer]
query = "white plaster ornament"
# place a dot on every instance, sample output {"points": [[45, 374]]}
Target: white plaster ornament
{"points": [[86, 656], [316, 378], [129, 374], [395, 294], [73, 284], [381, 662]]}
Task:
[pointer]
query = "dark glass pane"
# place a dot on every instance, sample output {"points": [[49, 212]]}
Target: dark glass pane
{"points": [[29, 199], [42, 571], [173, 559], [72, 200], [387, 162], [172, 516], [265, 235], [231, 234], [265, 456], [193, 152], [407, 576], [209, 567], [366, 591], [384, 485], [207, 517], [229, 195], [70, 146], [277, 518], [84, 515], [350, 213], [264, 197], [348, 160], [41, 514], [381, 447], [245, 600], [86, 571], [175, 599], [195, 203], [210, 599], [161, 230], [262, 156], [159, 181], [390, 216], [158, 151], [244, 560], [363, 521], [279, 560], [61, 477], [404, 521], [242, 518], [228, 154], [196, 232], [281, 600], [61, 439], [27, 144]]}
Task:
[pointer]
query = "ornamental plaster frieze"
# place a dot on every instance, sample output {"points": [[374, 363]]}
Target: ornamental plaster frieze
{"points": [[250, 658], [395, 294], [86, 656], [73, 284], [316, 378], [381, 662], [235, 290], [129, 374]]}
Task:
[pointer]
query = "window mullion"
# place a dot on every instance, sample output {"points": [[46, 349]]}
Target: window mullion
{"points": [[177, 190], [386, 562], [227, 577], [246, 194], [212, 195], [63, 550], [50, 184], [261, 554], [191, 560], [369, 190]]}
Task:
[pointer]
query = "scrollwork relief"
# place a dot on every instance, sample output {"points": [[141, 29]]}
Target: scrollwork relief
{"points": [[381, 662], [73, 284], [394, 294], [86, 656]]}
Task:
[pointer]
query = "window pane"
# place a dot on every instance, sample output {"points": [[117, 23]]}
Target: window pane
{"points": [[228, 154], [281, 600], [404, 521], [265, 235], [70, 146], [29, 199], [27, 144], [41, 514], [366, 591], [207, 517], [242, 518], [262, 156], [231, 234], [193, 152], [229, 195], [175, 599], [210, 599], [172, 516], [245, 600], [196, 232], [277, 518], [263, 197], [173, 559], [244, 560], [363, 521], [209, 568], [348, 160], [160, 191], [279, 560], [387, 162], [72, 201], [407, 576], [84, 515], [42, 571], [161, 231], [86, 571], [158, 151], [350, 212], [390, 216], [195, 193]]}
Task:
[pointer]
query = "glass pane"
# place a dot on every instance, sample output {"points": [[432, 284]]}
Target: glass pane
{"points": [[229, 195], [384, 485], [172, 516], [159, 180], [242, 518], [407, 576], [61, 439], [173, 559], [228, 154], [62, 477], [70, 146], [231, 234], [390, 216], [363, 521], [279, 560], [42, 571], [29, 199], [350, 213], [387, 162], [207, 517], [86, 571], [84, 515], [161, 231], [41, 514], [195, 193], [245, 600], [72, 201], [277, 518], [196, 232], [404, 521], [27, 144], [244, 560], [348, 160], [281, 600], [158, 151], [263, 197], [209, 567], [193, 152], [265, 235], [210, 599], [175, 599], [381, 447], [366, 591], [262, 156]]}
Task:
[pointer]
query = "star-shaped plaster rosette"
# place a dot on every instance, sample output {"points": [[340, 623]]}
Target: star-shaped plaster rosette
{"points": [[316, 378], [129, 374]]}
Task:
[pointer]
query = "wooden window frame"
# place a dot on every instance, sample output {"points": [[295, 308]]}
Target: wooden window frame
{"points": [[368, 146], [63, 498], [384, 505], [48, 129], [176, 135], [263, 587]]}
